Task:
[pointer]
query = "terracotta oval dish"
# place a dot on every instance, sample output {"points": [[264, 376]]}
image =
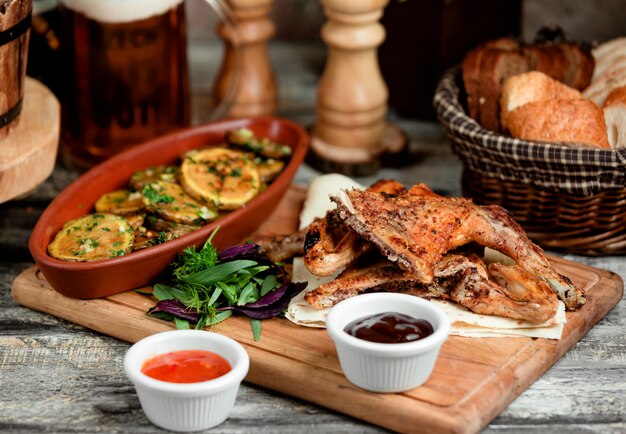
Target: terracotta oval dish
{"points": [[111, 276]]}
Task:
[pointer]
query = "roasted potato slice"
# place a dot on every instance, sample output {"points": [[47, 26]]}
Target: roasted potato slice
{"points": [[245, 139], [172, 203], [269, 168], [92, 238], [156, 223], [121, 202], [145, 238], [224, 177], [152, 174], [135, 220]]}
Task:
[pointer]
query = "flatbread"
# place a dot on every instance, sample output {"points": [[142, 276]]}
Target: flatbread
{"points": [[318, 201], [464, 322]]}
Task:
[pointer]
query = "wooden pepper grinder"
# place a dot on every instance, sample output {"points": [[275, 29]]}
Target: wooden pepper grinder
{"points": [[246, 60], [350, 134]]}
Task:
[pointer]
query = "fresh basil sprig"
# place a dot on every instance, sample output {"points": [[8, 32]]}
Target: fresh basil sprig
{"points": [[207, 287]]}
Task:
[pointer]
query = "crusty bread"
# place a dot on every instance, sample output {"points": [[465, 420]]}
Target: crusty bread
{"points": [[600, 88], [617, 96], [615, 117], [580, 65], [471, 71], [529, 87], [573, 121], [566, 62], [471, 80], [610, 71], [612, 62], [605, 50], [496, 66], [487, 67], [547, 58]]}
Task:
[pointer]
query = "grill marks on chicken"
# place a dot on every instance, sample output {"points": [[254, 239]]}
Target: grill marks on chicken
{"points": [[415, 229], [501, 290]]}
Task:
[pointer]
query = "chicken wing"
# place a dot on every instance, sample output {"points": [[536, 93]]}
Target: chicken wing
{"points": [[513, 293], [330, 244]]}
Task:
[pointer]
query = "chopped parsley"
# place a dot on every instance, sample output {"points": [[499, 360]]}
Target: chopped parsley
{"points": [[155, 196]]}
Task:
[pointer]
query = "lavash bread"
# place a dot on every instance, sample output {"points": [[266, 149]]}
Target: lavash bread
{"points": [[529, 87], [615, 117], [566, 121], [487, 67]]}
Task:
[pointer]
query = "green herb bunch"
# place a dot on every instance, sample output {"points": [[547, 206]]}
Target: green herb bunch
{"points": [[207, 287]]}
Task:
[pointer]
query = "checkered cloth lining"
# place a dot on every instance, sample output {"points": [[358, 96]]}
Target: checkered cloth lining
{"points": [[555, 168]]}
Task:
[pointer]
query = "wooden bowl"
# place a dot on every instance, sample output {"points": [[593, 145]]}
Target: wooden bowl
{"points": [[140, 268]]}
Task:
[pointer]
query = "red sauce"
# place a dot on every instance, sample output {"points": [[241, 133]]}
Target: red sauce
{"points": [[389, 328], [186, 366]]}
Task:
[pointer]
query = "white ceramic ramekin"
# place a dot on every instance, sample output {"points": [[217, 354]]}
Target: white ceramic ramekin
{"points": [[386, 368], [187, 406]]}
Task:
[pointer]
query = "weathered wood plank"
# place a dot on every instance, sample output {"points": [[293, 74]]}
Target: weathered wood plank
{"points": [[54, 387]]}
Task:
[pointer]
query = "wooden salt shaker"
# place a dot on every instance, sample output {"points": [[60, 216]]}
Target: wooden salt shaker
{"points": [[350, 134], [246, 60]]}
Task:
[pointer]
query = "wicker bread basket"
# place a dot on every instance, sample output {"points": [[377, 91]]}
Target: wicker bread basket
{"points": [[566, 197]]}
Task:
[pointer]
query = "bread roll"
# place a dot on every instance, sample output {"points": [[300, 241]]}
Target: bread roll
{"points": [[571, 121], [529, 87], [615, 117]]}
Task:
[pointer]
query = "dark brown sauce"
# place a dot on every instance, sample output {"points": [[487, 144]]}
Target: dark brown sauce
{"points": [[389, 328]]}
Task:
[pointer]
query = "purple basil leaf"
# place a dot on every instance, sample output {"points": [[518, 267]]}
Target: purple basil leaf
{"points": [[240, 251], [176, 308], [267, 306], [272, 297], [261, 314]]}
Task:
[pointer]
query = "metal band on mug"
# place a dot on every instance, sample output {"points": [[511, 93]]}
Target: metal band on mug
{"points": [[17, 30], [10, 115]]}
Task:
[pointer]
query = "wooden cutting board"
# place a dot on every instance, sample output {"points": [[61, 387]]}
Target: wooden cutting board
{"points": [[473, 380]]}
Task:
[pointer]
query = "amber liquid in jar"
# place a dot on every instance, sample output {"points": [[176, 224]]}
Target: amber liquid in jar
{"points": [[125, 78], [389, 328]]}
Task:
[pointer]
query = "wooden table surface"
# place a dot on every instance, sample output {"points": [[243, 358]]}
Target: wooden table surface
{"points": [[59, 377]]}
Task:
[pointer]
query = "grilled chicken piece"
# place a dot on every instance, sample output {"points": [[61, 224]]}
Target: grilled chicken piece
{"points": [[331, 245], [509, 291], [418, 227], [280, 249], [464, 279], [370, 273]]}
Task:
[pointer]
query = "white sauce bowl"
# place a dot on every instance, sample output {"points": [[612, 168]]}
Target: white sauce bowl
{"points": [[187, 406], [380, 367]]}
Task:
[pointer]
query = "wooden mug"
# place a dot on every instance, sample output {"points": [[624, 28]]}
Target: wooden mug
{"points": [[14, 35]]}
